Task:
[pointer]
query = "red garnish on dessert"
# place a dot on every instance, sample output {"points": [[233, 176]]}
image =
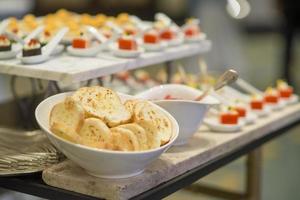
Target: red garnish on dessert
{"points": [[241, 111], [257, 104], [167, 34], [229, 118], [33, 42], [169, 97], [286, 93], [192, 31], [47, 34], [79, 43], [127, 43], [151, 38]]}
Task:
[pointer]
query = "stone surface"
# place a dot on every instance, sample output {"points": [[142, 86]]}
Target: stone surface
{"points": [[203, 147], [70, 69]]}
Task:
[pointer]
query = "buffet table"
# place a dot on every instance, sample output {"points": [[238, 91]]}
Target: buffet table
{"points": [[177, 168]]}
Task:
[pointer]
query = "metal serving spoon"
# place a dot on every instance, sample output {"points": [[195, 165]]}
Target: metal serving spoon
{"points": [[226, 78]]}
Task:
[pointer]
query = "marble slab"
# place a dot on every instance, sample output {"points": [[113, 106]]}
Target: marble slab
{"points": [[202, 148], [69, 69]]}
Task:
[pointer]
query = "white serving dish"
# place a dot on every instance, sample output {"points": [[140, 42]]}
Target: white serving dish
{"points": [[125, 53], [155, 47], [188, 113], [197, 38], [292, 100], [264, 112], [97, 162], [214, 125]]}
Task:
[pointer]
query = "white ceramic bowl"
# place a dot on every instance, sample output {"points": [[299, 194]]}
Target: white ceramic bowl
{"points": [[188, 113], [97, 162]]}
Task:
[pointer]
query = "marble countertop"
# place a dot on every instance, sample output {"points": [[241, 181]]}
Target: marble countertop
{"points": [[69, 69], [203, 147]]}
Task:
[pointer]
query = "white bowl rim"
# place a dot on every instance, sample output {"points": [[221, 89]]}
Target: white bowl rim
{"points": [[216, 101], [174, 134]]}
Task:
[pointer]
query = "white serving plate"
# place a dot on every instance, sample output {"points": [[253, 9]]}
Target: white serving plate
{"points": [[197, 38], [88, 52], [155, 47], [126, 53], [277, 106], [214, 125], [292, 100], [188, 113], [98, 162], [176, 41], [250, 118], [264, 112]]}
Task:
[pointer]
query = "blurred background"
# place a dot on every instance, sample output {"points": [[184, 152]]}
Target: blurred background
{"points": [[256, 37]]}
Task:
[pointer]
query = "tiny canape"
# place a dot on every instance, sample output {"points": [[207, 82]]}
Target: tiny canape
{"points": [[272, 98], [83, 47], [257, 103], [33, 53], [80, 42], [227, 120], [32, 48], [286, 92], [172, 36], [127, 43], [8, 50], [152, 41], [127, 47], [5, 43], [244, 112], [192, 31], [230, 116]]}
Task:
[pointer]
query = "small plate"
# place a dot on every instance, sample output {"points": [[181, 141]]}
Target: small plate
{"points": [[214, 125], [155, 47], [33, 59], [250, 118], [277, 106], [264, 112], [88, 52], [176, 41], [292, 100], [125, 53], [197, 38]]}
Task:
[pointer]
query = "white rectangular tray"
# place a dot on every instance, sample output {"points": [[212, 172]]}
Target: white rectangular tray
{"points": [[69, 69]]}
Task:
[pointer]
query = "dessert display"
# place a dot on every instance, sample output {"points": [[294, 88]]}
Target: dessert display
{"points": [[96, 117], [32, 48], [5, 43]]}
